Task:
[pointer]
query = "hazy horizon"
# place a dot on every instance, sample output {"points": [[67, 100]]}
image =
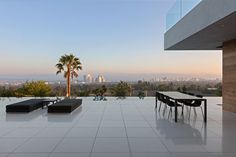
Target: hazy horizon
{"points": [[110, 77], [122, 39]]}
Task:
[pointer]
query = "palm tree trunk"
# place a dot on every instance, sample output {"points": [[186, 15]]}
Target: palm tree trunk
{"points": [[68, 82]]}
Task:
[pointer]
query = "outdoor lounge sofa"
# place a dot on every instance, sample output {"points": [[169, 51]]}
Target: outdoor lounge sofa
{"points": [[25, 106], [65, 106]]}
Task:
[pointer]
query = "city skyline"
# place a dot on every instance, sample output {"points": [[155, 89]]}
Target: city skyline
{"points": [[110, 37], [113, 77]]}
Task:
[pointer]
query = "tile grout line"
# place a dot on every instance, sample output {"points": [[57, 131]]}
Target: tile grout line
{"points": [[95, 138], [125, 130], [63, 137], [27, 139], [154, 130]]}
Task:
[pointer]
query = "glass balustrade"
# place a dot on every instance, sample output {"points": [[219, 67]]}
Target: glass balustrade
{"points": [[179, 10]]}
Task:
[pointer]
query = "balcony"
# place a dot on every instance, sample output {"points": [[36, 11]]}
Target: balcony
{"points": [[179, 10], [200, 24]]}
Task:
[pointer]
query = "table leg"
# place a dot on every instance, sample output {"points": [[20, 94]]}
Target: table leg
{"points": [[156, 102], [205, 111], [176, 111], [205, 133]]}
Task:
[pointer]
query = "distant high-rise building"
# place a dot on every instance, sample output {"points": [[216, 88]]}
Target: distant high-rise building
{"points": [[100, 79], [88, 78]]}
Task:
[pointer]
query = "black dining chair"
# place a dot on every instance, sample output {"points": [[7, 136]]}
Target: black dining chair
{"points": [[158, 96], [171, 104], [162, 99], [194, 104]]}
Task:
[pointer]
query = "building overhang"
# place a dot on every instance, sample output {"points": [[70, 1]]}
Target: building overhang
{"points": [[206, 27]]}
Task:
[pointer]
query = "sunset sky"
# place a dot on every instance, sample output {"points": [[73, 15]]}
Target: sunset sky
{"points": [[109, 36]]}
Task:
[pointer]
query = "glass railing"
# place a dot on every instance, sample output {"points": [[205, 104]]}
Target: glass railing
{"points": [[179, 10]]}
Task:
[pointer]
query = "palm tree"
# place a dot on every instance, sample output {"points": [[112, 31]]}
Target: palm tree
{"points": [[70, 65]]}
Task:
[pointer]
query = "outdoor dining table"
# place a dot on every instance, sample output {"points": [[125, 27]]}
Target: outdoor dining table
{"points": [[180, 97]]}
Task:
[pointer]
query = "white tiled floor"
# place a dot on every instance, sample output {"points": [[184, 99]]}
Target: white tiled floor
{"points": [[117, 128]]}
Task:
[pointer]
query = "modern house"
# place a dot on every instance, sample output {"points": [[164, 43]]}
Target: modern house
{"points": [[207, 25]]}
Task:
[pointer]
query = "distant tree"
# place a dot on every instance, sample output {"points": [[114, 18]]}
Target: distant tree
{"points": [[100, 92], [59, 90], [96, 92], [7, 92], [219, 89], [141, 95], [178, 89], [70, 65], [121, 89], [103, 90], [184, 88], [84, 93], [34, 88], [163, 87]]}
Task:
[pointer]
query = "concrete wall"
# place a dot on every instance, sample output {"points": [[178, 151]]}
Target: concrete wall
{"points": [[229, 76], [205, 14]]}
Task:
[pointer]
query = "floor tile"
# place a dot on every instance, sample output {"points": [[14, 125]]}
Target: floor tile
{"points": [[146, 145], [69, 155], [203, 154], [52, 132], [38, 145], [110, 155], [141, 132], [87, 124], [10, 144], [82, 132], [112, 124], [219, 145], [111, 145], [151, 155], [28, 155], [4, 130], [111, 132], [185, 145], [75, 145], [136, 124], [22, 132]]}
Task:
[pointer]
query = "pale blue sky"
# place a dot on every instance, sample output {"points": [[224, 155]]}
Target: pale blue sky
{"points": [[109, 36]]}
